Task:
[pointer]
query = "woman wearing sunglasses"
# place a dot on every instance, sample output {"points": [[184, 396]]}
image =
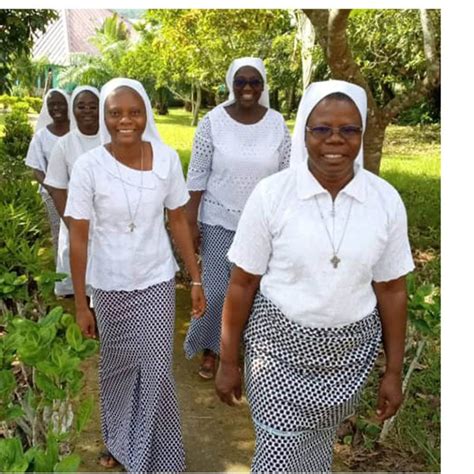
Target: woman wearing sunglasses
{"points": [[237, 144], [320, 253]]}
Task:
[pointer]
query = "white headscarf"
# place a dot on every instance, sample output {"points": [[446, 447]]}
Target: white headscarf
{"points": [[74, 94], [150, 133], [44, 119], [236, 64], [314, 93]]}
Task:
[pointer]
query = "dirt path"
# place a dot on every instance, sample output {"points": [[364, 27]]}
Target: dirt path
{"points": [[217, 438]]}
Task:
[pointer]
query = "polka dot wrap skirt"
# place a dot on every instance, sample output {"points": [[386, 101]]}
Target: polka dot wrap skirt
{"points": [[205, 332], [139, 409], [301, 384]]}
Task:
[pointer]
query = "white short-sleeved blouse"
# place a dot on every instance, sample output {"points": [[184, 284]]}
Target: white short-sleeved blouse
{"points": [[229, 158], [120, 259], [65, 153], [39, 151], [281, 236]]}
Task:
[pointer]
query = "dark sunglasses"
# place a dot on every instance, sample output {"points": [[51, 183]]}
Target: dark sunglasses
{"points": [[254, 83], [346, 131]]}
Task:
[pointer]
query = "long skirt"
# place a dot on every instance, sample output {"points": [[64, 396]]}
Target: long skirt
{"points": [[54, 221], [139, 410], [301, 384], [205, 332]]}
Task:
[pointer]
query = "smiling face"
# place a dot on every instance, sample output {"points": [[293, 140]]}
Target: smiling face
{"points": [[332, 157], [247, 86], [125, 116], [86, 112], [57, 107]]}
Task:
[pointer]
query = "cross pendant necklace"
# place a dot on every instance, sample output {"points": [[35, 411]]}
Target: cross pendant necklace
{"points": [[335, 260], [132, 226]]}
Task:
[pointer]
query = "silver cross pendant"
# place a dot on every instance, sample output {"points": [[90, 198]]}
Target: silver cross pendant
{"points": [[131, 226], [335, 261]]}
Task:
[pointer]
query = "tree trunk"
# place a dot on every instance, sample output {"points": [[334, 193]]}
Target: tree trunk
{"points": [[373, 144], [274, 101], [290, 100], [306, 36], [196, 105]]}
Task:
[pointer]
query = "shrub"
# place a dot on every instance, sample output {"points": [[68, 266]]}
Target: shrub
{"points": [[18, 133]]}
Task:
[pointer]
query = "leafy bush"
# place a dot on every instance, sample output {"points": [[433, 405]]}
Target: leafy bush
{"points": [[18, 133], [9, 102]]}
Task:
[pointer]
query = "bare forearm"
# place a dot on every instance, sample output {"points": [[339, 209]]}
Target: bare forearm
{"points": [[78, 240], [181, 234], [392, 304], [192, 207], [59, 198], [39, 176], [237, 306]]}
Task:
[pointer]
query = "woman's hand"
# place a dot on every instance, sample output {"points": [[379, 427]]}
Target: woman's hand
{"points": [[198, 301], [195, 236], [228, 383], [86, 321], [390, 396]]}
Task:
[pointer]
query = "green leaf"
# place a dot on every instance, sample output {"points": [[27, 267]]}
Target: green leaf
{"points": [[51, 391], [14, 412], [90, 347], [7, 383], [52, 318], [84, 412], [68, 464], [47, 335], [74, 337]]}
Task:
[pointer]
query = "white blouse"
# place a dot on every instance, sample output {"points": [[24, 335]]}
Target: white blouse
{"points": [[39, 151], [229, 158], [63, 156], [65, 153], [281, 236], [120, 259]]}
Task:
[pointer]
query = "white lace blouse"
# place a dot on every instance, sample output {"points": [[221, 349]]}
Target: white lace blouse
{"points": [[228, 160]]}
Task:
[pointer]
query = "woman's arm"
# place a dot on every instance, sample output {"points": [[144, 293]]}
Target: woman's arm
{"points": [[237, 306], [181, 234], [59, 198], [392, 305], [78, 240], [192, 208]]}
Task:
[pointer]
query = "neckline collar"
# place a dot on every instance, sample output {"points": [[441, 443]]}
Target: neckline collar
{"points": [[308, 186]]}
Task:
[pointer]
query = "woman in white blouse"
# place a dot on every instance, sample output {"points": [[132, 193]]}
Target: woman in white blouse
{"points": [[84, 110], [52, 123], [126, 186], [321, 254], [237, 144]]}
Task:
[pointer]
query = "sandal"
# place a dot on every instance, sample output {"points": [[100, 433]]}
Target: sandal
{"points": [[208, 366], [107, 460]]}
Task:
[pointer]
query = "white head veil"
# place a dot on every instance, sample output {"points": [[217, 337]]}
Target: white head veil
{"points": [[314, 93], [74, 94], [44, 118], [150, 133], [236, 64]]}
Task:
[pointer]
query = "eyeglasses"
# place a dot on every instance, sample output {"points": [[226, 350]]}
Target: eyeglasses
{"points": [[347, 132], [254, 83]]}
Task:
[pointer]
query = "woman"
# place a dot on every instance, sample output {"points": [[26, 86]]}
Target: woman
{"points": [[125, 185], [236, 145], [84, 110], [321, 252], [52, 123]]}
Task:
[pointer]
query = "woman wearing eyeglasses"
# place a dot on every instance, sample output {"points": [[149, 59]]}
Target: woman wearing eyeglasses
{"points": [[237, 144], [320, 253], [84, 110]]}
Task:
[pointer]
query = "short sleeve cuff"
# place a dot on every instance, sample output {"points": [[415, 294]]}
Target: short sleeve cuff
{"points": [[388, 274], [55, 183], [178, 201], [246, 263]]}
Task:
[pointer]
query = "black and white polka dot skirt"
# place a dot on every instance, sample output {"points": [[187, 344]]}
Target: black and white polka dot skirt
{"points": [[54, 221], [139, 409], [205, 332], [301, 384]]}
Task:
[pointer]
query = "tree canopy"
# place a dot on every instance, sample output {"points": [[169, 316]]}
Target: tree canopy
{"points": [[17, 29]]}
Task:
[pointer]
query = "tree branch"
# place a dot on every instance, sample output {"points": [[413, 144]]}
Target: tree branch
{"points": [[431, 52]]}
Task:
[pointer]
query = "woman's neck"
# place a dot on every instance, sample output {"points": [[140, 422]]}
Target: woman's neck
{"points": [[246, 115], [59, 128], [333, 184], [128, 154]]}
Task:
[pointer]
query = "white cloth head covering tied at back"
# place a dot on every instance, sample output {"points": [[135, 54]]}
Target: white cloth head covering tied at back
{"points": [[150, 133], [44, 119], [74, 94], [236, 64], [314, 93]]}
